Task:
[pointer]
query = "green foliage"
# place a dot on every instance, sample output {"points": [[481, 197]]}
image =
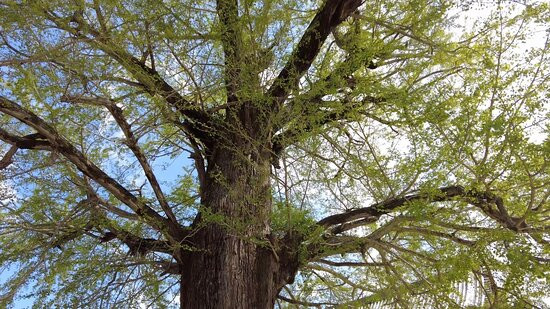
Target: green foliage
{"points": [[286, 218], [402, 98]]}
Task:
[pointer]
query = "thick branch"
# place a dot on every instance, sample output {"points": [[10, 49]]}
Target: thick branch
{"points": [[340, 77], [313, 119], [228, 13], [387, 206], [147, 77], [31, 141], [138, 245], [132, 143], [65, 148], [483, 200], [60, 233], [329, 16], [8, 157], [169, 267]]}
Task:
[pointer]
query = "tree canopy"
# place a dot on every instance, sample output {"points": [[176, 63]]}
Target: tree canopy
{"points": [[391, 149]]}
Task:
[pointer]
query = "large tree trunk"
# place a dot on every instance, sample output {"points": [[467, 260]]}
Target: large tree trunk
{"points": [[234, 262]]}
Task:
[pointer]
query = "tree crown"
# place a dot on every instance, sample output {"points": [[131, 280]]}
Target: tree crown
{"points": [[407, 147]]}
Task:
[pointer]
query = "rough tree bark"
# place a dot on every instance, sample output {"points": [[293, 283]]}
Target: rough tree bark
{"points": [[238, 263], [235, 262]]}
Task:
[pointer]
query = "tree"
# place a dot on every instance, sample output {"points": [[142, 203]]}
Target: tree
{"points": [[332, 152]]}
